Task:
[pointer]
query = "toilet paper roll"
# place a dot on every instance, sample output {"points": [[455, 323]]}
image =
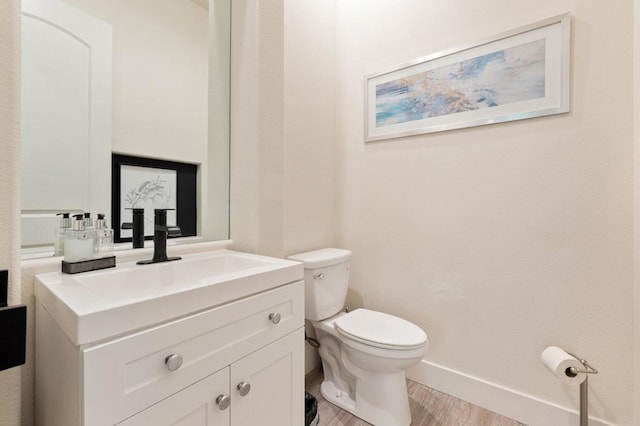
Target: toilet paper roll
{"points": [[559, 362]]}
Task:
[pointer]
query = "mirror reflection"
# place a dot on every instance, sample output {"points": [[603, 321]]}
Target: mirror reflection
{"points": [[126, 77]]}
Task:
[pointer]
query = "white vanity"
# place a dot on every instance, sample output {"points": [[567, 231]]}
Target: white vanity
{"points": [[216, 338]]}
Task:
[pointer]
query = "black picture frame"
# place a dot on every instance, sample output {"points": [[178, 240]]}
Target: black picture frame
{"points": [[186, 197]]}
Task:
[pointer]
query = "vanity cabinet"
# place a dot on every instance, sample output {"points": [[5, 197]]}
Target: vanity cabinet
{"points": [[238, 364], [260, 393]]}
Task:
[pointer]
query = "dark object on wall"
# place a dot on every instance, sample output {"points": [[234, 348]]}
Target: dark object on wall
{"points": [[13, 329], [4, 288], [138, 182]]}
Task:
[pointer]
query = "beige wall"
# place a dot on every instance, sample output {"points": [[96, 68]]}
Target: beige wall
{"points": [[310, 192], [504, 239], [9, 187], [256, 145], [636, 107], [283, 194]]}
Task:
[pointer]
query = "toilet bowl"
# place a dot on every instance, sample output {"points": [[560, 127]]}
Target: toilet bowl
{"points": [[364, 353]]}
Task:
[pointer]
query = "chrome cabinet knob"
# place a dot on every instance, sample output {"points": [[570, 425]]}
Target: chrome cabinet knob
{"points": [[173, 362], [320, 276], [275, 318], [223, 402], [243, 388]]}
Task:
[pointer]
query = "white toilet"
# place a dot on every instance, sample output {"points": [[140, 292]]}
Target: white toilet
{"points": [[364, 353]]}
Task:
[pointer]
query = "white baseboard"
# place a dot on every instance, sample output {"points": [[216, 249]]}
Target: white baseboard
{"points": [[508, 402], [311, 358]]}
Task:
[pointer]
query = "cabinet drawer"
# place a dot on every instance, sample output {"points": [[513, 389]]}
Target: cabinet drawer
{"points": [[123, 377]]}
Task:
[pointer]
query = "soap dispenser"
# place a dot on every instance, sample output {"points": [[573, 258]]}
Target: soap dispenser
{"points": [[104, 238], [78, 241], [58, 242], [88, 222]]}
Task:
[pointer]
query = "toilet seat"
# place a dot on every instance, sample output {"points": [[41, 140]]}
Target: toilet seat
{"points": [[380, 330]]}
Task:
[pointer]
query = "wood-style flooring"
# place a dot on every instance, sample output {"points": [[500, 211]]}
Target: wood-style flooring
{"points": [[428, 408]]}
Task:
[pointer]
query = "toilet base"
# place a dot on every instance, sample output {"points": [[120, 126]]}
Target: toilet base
{"points": [[337, 397], [387, 408]]}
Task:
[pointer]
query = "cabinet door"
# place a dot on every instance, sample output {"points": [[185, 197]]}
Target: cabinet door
{"points": [[194, 406], [275, 379]]}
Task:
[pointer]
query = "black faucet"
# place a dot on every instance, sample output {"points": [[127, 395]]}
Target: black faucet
{"points": [[160, 233], [138, 228]]}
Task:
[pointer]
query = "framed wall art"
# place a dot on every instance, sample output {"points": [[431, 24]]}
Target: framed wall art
{"points": [[520, 74], [150, 184]]}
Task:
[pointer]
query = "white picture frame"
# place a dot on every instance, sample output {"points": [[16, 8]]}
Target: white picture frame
{"points": [[148, 188], [520, 74]]}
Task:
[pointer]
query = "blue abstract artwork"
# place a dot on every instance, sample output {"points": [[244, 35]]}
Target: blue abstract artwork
{"points": [[507, 76]]}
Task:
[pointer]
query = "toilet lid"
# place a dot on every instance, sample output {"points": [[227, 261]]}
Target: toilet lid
{"points": [[380, 329]]}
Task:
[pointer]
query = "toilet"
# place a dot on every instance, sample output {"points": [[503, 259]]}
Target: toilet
{"points": [[364, 353]]}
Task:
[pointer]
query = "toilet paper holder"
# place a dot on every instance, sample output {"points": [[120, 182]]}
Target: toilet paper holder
{"points": [[584, 387], [573, 372]]}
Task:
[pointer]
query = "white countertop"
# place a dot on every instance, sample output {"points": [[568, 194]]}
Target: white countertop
{"points": [[97, 305]]}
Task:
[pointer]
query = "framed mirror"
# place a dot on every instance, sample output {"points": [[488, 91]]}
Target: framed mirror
{"points": [[145, 78]]}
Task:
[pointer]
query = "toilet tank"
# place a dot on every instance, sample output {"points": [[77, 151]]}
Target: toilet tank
{"points": [[326, 280]]}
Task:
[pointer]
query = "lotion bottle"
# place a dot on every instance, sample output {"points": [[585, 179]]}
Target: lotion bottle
{"points": [[58, 242], [104, 238], [88, 222], [78, 242]]}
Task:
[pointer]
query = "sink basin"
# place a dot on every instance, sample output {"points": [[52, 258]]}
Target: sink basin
{"points": [[97, 305], [140, 281]]}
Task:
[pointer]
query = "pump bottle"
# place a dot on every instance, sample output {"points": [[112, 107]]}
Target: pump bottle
{"points": [[58, 242], [104, 238], [78, 242]]}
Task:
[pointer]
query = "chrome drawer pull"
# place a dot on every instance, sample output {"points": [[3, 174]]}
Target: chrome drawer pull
{"points": [[173, 362], [275, 318], [223, 402], [243, 388], [320, 276]]}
